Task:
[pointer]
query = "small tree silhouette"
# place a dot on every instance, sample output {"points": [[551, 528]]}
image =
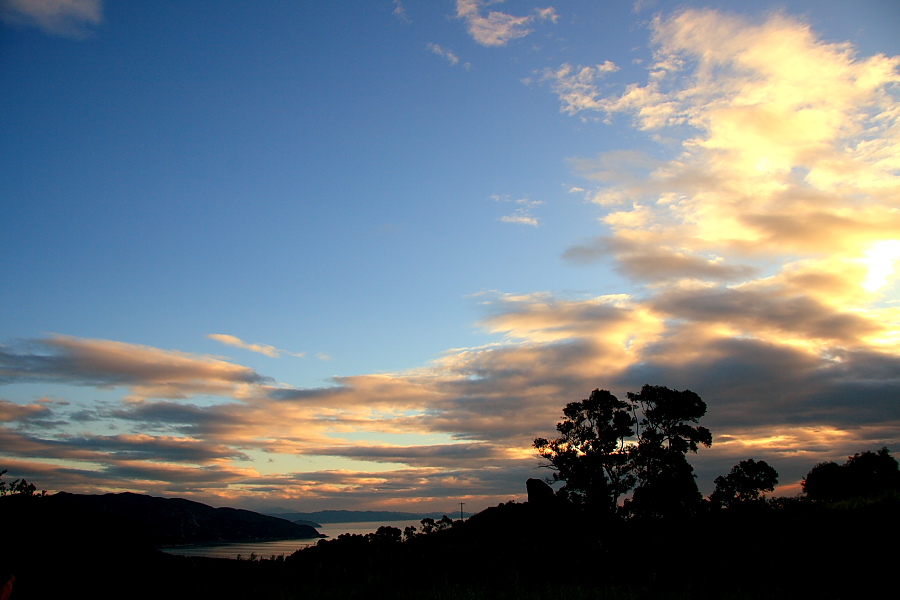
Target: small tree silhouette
{"points": [[745, 484], [18, 486], [386, 534]]}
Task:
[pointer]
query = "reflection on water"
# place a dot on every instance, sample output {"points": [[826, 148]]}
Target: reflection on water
{"points": [[282, 547], [243, 549]]}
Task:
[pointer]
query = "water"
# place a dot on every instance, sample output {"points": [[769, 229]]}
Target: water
{"points": [[283, 547], [243, 549], [332, 530]]}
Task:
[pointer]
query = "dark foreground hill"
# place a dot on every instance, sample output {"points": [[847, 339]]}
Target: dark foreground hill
{"points": [[146, 520], [104, 546], [785, 549]]}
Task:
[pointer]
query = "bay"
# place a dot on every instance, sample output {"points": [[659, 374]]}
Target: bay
{"points": [[282, 547]]}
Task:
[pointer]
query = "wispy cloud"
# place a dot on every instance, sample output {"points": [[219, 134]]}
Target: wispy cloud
{"points": [[230, 340], [522, 215], [447, 54], [577, 87], [400, 11], [66, 18], [498, 28], [547, 14]]}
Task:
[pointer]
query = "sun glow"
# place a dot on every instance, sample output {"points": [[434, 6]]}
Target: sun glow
{"points": [[879, 261]]}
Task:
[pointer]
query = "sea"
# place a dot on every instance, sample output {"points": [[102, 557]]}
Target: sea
{"points": [[283, 547]]}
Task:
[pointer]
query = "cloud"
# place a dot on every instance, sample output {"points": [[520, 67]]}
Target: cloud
{"points": [[547, 14], [577, 87], [400, 12], [403, 489], [776, 124], [641, 5], [522, 215], [104, 364], [65, 18], [230, 340], [123, 447], [497, 28], [10, 411], [447, 54], [655, 264], [433, 455], [769, 311]]}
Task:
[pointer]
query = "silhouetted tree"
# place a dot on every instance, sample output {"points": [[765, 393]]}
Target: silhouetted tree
{"points": [[826, 481], [666, 483], [873, 473], [746, 483], [386, 534], [668, 415], [598, 465], [591, 455], [427, 525], [865, 474], [18, 486]]}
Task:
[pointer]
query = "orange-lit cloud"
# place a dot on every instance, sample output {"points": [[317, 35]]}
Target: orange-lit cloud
{"points": [[146, 371], [231, 340], [790, 144], [10, 411], [498, 28]]}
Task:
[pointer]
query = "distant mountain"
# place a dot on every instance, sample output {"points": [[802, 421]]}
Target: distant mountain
{"points": [[149, 520], [355, 516]]}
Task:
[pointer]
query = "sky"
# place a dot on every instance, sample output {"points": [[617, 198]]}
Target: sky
{"points": [[358, 255]]}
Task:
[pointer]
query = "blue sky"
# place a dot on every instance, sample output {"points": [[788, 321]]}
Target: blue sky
{"points": [[338, 255]]}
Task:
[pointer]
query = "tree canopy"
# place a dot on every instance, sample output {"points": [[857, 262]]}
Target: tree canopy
{"points": [[864, 474], [591, 455], [608, 447], [666, 484], [745, 484], [17, 486]]}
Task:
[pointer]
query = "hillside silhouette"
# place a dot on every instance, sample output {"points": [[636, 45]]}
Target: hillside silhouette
{"points": [[147, 520]]}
